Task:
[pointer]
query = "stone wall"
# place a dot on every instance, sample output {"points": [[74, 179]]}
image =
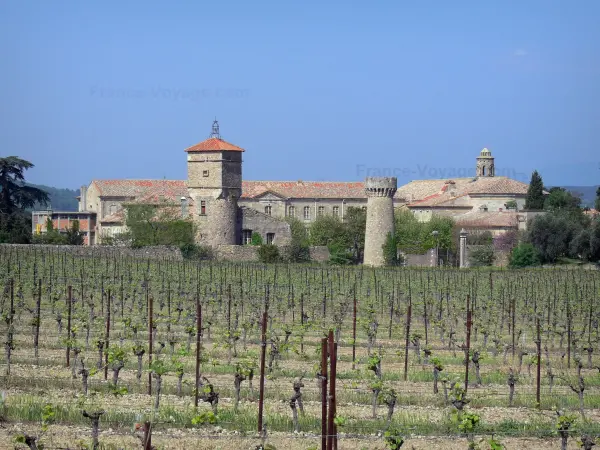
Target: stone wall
{"points": [[158, 252], [425, 260], [319, 253]]}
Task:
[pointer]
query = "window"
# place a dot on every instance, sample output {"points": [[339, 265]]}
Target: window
{"points": [[268, 210], [321, 211], [246, 237], [291, 211], [205, 173], [202, 207], [336, 211], [270, 238], [307, 213]]}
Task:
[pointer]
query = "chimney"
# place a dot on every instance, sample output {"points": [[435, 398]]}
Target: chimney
{"points": [[83, 198]]}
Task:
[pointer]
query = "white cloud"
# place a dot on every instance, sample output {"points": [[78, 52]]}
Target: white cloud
{"points": [[520, 52]]}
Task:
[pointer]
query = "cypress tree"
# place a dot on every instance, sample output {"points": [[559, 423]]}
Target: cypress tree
{"points": [[597, 203], [535, 192]]}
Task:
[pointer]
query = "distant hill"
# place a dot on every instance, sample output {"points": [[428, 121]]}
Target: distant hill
{"points": [[60, 199], [587, 193]]}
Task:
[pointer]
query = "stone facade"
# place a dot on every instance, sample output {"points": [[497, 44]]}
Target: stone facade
{"points": [[272, 230], [485, 164], [380, 217]]}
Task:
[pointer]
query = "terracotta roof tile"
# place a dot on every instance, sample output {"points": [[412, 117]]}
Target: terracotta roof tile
{"points": [[170, 189], [488, 219], [214, 144]]}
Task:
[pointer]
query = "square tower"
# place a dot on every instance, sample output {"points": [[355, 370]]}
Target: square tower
{"points": [[215, 184]]}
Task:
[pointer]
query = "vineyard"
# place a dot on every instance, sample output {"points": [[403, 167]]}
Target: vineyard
{"points": [[130, 353]]}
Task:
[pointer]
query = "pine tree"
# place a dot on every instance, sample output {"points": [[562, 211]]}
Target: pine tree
{"points": [[535, 192]]}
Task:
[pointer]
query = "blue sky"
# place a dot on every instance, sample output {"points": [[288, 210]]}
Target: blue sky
{"points": [[312, 90]]}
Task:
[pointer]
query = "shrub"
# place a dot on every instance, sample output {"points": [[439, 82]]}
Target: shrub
{"points": [[524, 255], [390, 251], [193, 251], [256, 239], [268, 253], [482, 256]]}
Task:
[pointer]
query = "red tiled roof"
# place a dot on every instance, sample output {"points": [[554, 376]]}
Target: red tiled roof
{"points": [[305, 189], [463, 186], [214, 144], [170, 189], [488, 219]]}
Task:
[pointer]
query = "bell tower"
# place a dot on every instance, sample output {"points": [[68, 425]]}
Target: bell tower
{"points": [[485, 164], [215, 185]]}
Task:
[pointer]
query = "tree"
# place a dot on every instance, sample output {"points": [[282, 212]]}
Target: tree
{"points": [[74, 236], [560, 199], [524, 255], [552, 234], [535, 192], [298, 250], [355, 222], [390, 251], [326, 230], [158, 224], [256, 239], [268, 253], [597, 202], [482, 256], [52, 236], [15, 197]]}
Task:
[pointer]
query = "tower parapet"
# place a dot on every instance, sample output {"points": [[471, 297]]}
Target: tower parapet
{"points": [[380, 217]]}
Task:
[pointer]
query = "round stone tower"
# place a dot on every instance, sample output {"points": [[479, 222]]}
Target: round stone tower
{"points": [[485, 164], [380, 217], [215, 185]]}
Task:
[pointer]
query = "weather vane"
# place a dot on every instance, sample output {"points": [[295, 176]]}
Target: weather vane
{"points": [[215, 130]]}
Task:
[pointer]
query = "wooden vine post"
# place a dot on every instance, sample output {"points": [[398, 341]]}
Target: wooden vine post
{"points": [[539, 364], [468, 349], [150, 305], [198, 336], [331, 428], [107, 337], [69, 306], [408, 314], [354, 331], [324, 394], [263, 351]]}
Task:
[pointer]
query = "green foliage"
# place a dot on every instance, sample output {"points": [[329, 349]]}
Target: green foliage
{"points": [[535, 192], [597, 201], [159, 367], [73, 235], [482, 256], [268, 254], [551, 235], [256, 239], [15, 198], [560, 199], [481, 238], [524, 255], [298, 250], [48, 416], [194, 251], [437, 363], [157, 224], [495, 444], [511, 204], [344, 239], [390, 251], [393, 439], [205, 418], [416, 237]]}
